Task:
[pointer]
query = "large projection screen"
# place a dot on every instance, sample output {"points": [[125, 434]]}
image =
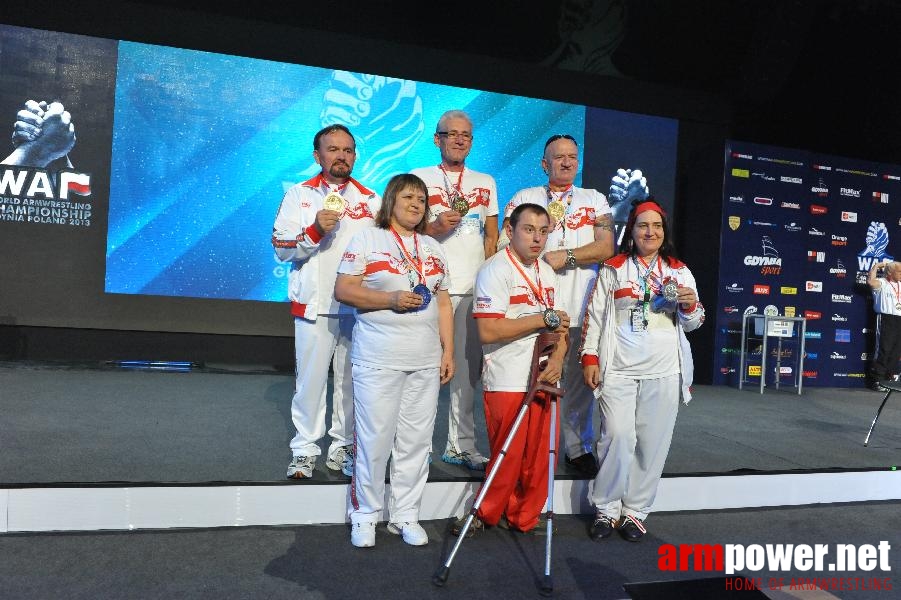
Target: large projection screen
{"points": [[158, 216]]}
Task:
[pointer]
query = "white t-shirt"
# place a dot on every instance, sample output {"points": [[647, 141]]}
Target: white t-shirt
{"points": [[464, 246], [887, 298], [386, 339], [583, 208], [501, 292]]}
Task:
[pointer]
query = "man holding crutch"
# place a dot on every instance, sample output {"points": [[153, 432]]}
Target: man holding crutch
{"points": [[514, 302]]}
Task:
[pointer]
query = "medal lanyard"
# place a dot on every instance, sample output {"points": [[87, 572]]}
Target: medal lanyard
{"points": [[417, 263], [896, 287], [568, 194], [537, 290], [338, 190], [645, 283], [447, 183]]}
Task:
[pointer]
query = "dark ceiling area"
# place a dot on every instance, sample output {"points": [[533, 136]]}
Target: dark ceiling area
{"points": [[817, 75]]}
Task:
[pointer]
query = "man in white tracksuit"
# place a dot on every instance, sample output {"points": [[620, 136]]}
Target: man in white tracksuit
{"points": [[315, 221]]}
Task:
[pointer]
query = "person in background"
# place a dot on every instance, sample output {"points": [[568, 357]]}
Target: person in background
{"points": [[463, 206], [396, 279], [887, 303]]}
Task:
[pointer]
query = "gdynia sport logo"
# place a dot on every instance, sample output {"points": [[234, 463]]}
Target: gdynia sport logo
{"points": [[761, 566]]}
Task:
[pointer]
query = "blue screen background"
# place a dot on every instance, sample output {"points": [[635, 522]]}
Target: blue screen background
{"points": [[205, 144]]}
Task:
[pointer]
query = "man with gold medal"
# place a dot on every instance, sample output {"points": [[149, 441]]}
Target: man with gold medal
{"points": [[315, 221], [581, 237], [463, 206]]}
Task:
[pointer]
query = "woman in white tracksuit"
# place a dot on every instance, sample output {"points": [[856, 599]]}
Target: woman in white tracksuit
{"points": [[396, 279], [637, 359]]}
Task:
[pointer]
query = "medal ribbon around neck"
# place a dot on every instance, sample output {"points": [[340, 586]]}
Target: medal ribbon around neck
{"points": [[447, 184], [646, 287], [337, 190], [537, 290], [417, 264], [456, 199], [568, 194]]}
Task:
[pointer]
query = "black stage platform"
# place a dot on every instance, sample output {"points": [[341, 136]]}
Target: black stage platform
{"points": [[94, 423]]}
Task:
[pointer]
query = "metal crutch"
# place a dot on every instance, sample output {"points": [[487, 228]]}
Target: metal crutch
{"points": [[546, 585], [545, 345]]}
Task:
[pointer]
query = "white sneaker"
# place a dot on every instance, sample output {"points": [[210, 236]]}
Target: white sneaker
{"points": [[362, 535], [471, 459], [342, 460], [301, 467], [412, 532]]}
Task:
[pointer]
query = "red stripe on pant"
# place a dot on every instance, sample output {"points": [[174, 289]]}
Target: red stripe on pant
{"points": [[520, 487]]}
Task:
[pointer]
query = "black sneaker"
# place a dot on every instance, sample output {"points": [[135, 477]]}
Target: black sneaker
{"points": [[585, 464], [632, 529], [602, 527], [877, 387]]}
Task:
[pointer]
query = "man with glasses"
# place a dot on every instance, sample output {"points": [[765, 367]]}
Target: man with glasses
{"points": [[581, 237], [464, 211]]}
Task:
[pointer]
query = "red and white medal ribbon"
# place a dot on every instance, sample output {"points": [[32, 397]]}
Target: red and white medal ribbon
{"points": [[417, 264], [537, 290]]}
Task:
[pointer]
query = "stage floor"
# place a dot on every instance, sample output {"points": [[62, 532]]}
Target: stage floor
{"points": [[89, 423]]}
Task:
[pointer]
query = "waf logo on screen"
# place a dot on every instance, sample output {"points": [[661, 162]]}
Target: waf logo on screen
{"points": [[38, 196], [876, 242], [38, 183], [769, 261], [825, 566]]}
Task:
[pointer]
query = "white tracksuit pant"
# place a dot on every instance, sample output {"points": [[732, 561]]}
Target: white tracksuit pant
{"points": [[316, 344], [637, 427], [576, 415], [394, 415], [468, 361]]}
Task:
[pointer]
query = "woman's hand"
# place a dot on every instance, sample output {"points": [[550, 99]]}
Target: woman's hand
{"points": [[447, 367], [592, 376], [686, 297], [402, 301]]}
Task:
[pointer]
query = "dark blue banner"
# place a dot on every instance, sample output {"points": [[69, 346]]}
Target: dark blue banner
{"points": [[799, 232]]}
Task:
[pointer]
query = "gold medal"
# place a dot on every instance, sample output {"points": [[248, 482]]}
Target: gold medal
{"points": [[557, 210], [334, 201], [461, 205]]}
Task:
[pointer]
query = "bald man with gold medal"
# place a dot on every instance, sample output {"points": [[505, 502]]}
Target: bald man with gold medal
{"points": [[581, 237]]}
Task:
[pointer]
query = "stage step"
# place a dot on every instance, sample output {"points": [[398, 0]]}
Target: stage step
{"points": [[71, 507]]}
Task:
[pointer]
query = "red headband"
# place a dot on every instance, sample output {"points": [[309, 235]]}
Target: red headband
{"points": [[645, 206]]}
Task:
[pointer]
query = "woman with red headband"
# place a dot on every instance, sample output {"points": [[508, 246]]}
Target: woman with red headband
{"points": [[636, 358]]}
